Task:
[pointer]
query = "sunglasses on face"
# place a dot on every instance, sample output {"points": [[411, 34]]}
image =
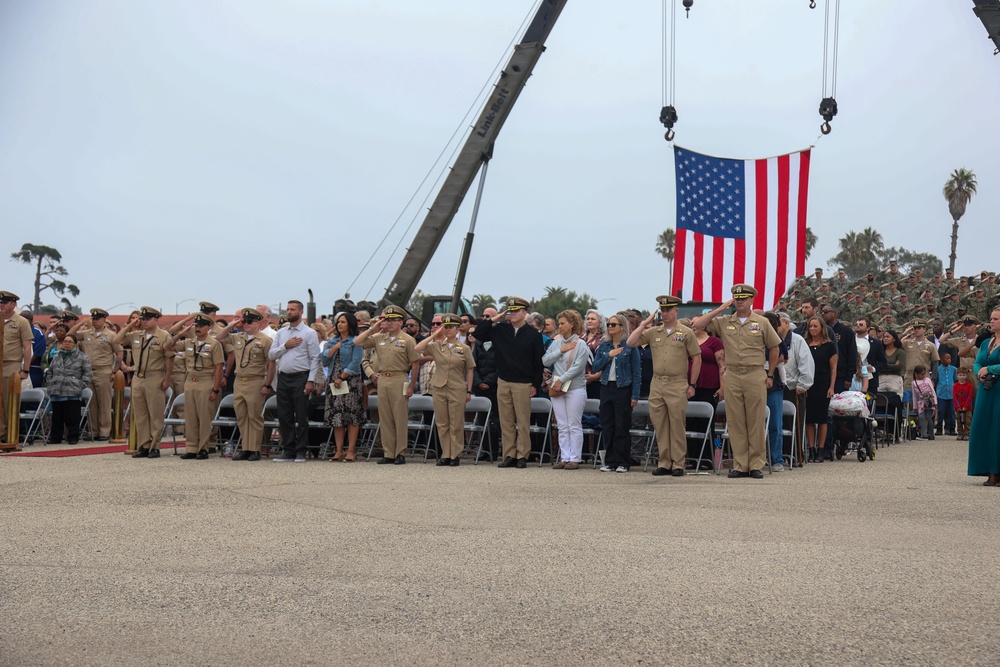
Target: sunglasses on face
{"points": [[612, 325], [435, 324]]}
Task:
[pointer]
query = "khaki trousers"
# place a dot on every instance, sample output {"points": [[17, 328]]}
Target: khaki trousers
{"points": [[100, 404], [248, 403], [668, 412], [393, 414], [148, 402], [514, 401], [449, 415], [199, 410], [746, 405], [9, 369]]}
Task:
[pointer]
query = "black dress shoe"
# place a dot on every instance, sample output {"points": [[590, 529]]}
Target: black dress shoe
{"points": [[154, 453], [444, 462], [241, 455], [253, 456], [736, 474], [202, 455], [101, 438], [521, 463], [677, 472], [660, 472], [454, 462], [141, 454], [400, 460], [506, 463], [187, 456], [757, 474], [72, 442], [384, 460]]}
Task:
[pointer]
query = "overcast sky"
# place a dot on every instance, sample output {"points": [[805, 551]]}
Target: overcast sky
{"points": [[242, 151]]}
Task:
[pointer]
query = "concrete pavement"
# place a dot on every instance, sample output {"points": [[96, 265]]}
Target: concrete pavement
{"points": [[113, 561]]}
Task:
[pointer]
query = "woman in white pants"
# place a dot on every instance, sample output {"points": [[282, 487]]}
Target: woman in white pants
{"points": [[568, 355]]}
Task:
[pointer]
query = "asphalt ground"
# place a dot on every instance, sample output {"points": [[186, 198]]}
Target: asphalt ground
{"points": [[108, 560]]}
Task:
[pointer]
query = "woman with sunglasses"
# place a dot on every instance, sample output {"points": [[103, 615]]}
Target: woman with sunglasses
{"points": [[621, 377], [452, 385]]}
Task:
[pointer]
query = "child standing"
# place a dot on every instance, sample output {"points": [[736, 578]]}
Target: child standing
{"points": [[962, 394], [926, 402], [946, 407]]}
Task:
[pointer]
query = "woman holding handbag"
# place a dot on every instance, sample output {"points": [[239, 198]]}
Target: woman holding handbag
{"points": [[568, 355]]}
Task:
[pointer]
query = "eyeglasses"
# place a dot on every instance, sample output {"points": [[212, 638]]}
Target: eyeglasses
{"points": [[410, 325]]}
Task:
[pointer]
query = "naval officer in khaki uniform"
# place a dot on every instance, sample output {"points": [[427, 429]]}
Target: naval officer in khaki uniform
{"points": [[398, 365], [153, 362], [97, 342], [672, 345], [203, 358], [17, 343], [452, 384], [749, 340], [254, 376]]}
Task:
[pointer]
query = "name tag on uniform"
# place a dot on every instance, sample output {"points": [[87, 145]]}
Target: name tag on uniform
{"points": [[730, 327], [656, 340], [382, 343]]}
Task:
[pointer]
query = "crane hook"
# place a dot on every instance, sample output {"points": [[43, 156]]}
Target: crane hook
{"points": [[668, 116], [812, 4], [825, 128]]}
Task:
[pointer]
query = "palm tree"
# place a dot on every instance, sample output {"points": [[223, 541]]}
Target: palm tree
{"points": [[958, 192], [482, 301], [665, 248], [810, 241]]}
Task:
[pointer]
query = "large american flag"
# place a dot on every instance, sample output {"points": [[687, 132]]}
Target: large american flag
{"points": [[739, 221]]}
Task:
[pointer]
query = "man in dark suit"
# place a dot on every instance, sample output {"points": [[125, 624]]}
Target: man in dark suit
{"points": [[847, 348]]}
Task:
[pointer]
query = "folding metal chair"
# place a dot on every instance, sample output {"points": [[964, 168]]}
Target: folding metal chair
{"points": [[885, 416], [541, 406], [221, 422], [86, 397], [641, 410], [592, 406], [705, 411], [479, 409], [172, 420], [417, 426], [788, 416], [368, 435], [34, 404], [270, 414]]}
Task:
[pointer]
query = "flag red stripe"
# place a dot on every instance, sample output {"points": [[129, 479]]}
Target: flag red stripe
{"points": [[680, 250], [718, 265], [781, 265], [697, 294], [760, 225], [800, 262]]}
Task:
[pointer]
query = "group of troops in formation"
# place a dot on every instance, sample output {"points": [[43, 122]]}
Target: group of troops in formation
{"points": [[892, 299]]}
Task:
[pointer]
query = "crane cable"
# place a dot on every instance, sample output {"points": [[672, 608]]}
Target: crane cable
{"points": [[463, 126], [668, 114], [828, 106]]}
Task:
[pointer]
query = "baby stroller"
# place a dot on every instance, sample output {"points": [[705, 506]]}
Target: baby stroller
{"points": [[850, 412]]}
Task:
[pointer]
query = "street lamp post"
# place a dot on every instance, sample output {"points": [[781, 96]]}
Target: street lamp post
{"points": [[177, 306], [124, 303]]}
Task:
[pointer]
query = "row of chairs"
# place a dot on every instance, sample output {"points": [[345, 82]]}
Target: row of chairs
{"points": [[35, 411]]}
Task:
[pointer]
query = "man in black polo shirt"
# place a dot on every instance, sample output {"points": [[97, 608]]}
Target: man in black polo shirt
{"points": [[517, 350]]}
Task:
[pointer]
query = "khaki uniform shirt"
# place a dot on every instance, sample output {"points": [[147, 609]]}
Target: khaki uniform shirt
{"points": [[98, 346], [451, 364], [671, 350], [16, 331], [747, 343], [149, 353], [919, 353], [201, 357], [393, 355], [250, 354]]}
